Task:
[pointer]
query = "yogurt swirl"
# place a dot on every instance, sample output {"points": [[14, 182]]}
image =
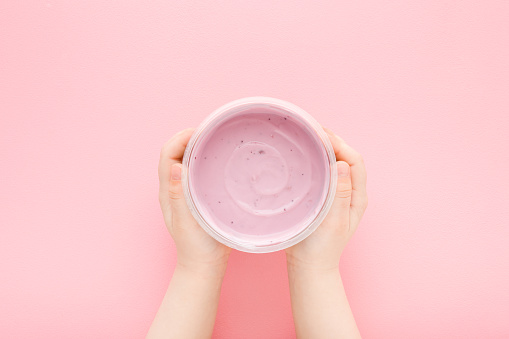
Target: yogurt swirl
{"points": [[259, 174]]}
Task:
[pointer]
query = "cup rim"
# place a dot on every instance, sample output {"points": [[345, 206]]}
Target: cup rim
{"points": [[332, 178]]}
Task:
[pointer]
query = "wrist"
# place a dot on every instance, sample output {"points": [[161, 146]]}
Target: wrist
{"points": [[298, 265], [202, 270], [312, 272]]}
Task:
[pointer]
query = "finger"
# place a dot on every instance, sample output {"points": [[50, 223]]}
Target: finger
{"points": [[340, 209], [175, 191], [171, 153], [357, 170], [178, 203]]}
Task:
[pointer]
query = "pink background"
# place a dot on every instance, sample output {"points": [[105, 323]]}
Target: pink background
{"points": [[90, 90]]}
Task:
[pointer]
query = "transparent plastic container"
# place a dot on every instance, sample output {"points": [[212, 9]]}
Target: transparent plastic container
{"points": [[250, 241]]}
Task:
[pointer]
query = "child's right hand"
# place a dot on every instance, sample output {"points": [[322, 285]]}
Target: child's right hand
{"points": [[322, 249]]}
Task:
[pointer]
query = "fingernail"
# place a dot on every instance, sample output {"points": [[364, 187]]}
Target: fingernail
{"points": [[343, 169], [175, 172]]}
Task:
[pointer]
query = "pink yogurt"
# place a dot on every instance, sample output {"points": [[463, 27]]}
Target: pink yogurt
{"points": [[259, 174]]}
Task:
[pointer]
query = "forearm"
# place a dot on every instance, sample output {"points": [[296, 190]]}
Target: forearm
{"points": [[319, 304], [189, 307]]}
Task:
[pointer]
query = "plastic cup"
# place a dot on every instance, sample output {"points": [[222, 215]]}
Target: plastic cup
{"points": [[259, 174]]}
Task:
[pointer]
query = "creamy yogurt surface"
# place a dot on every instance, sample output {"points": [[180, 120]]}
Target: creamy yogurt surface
{"points": [[259, 176]]}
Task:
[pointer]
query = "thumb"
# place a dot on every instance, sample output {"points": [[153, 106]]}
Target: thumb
{"points": [[340, 210], [177, 201]]}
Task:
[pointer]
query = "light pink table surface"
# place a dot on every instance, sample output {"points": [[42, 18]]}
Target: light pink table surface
{"points": [[90, 90]]}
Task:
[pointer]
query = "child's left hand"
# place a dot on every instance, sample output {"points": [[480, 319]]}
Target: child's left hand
{"points": [[196, 250]]}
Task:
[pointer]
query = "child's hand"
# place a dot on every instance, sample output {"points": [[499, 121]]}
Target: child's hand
{"points": [[319, 304], [323, 248], [196, 250], [189, 307]]}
